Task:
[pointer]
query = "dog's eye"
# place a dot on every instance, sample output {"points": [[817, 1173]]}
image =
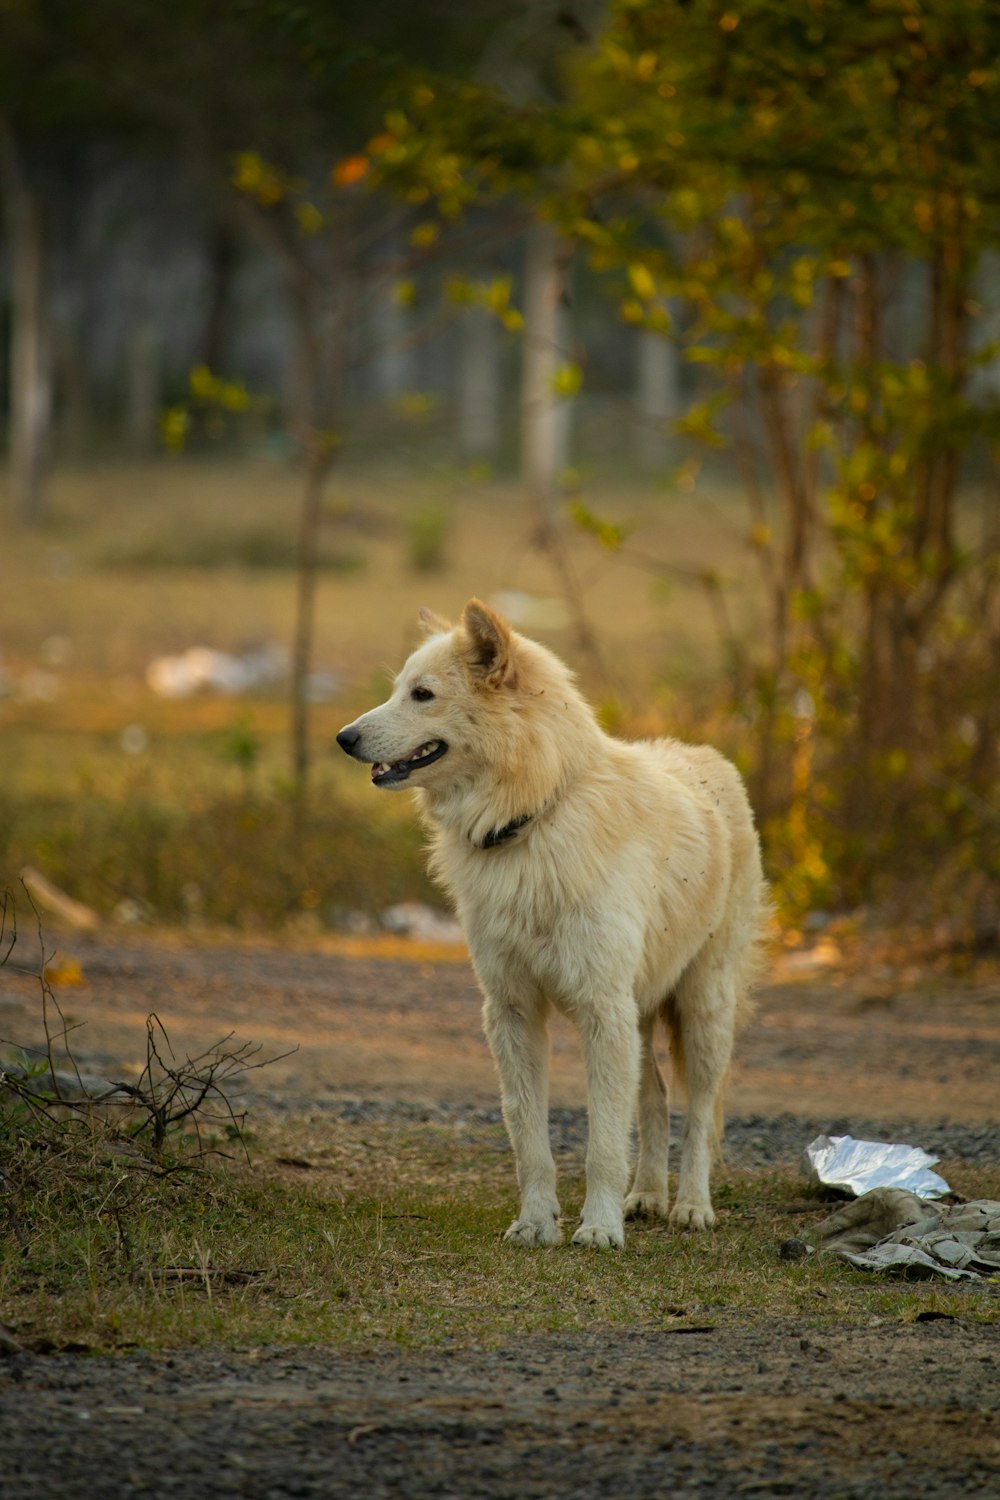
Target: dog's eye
{"points": [[421, 695]]}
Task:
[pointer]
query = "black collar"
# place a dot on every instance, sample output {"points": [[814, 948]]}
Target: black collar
{"points": [[503, 835]]}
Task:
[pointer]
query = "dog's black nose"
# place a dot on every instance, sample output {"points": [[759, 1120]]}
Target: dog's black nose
{"points": [[348, 738]]}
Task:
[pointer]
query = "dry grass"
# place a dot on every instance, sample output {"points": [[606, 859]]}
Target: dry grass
{"points": [[65, 579], [79, 625], [349, 1234]]}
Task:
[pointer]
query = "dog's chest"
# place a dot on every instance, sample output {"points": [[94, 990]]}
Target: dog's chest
{"points": [[528, 926]]}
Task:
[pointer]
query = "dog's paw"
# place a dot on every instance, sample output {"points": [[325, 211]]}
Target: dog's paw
{"points": [[646, 1206], [534, 1232], [600, 1236], [692, 1215]]}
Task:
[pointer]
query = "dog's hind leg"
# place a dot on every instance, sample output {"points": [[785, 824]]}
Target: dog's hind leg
{"points": [[611, 1050], [519, 1041], [649, 1194], [707, 997]]}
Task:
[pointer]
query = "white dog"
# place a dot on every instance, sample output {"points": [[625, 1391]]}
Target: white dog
{"points": [[620, 883]]}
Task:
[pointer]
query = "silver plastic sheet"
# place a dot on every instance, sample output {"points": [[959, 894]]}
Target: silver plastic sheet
{"points": [[855, 1167]]}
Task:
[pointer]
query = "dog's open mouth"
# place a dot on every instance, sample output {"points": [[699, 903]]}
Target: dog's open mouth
{"points": [[391, 773]]}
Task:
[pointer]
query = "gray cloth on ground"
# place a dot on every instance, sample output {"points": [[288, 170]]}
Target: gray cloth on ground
{"points": [[890, 1229]]}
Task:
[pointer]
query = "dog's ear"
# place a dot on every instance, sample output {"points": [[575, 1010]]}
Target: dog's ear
{"points": [[488, 653], [432, 624]]}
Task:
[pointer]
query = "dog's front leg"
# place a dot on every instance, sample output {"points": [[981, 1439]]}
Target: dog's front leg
{"points": [[611, 1049], [519, 1041]]}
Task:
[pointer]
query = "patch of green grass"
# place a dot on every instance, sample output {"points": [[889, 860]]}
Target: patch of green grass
{"points": [[215, 547], [427, 532], [382, 1234]]}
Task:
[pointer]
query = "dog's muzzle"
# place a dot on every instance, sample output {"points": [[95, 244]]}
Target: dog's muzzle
{"points": [[391, 773], [348, 739]]}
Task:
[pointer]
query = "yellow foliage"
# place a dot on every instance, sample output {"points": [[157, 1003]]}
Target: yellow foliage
{"points": [[174, 424], [425, 234], [589, 150], [416, 405], [253, 176], [642, 280], [567, 380], [309, 218], [608, 533], [64, 971]]}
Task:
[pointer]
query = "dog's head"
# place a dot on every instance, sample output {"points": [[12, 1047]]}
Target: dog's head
{"points": [[432, 727]]}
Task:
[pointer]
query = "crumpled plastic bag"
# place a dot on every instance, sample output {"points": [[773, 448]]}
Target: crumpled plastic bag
{"points": [[892, 1230], [856, 1167]]}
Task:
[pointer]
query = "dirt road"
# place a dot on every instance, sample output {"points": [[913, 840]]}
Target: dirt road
{"points": [[862, 1414], [819, 1044]]}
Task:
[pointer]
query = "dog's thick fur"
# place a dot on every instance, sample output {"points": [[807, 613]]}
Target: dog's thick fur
{"points": [[620, 883]]}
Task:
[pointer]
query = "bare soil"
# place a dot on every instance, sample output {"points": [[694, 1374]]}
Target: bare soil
{"points": [[731, 1410], [731, 1406], [822, 1042]]}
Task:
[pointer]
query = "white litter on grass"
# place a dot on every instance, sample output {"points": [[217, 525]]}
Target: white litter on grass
{"points": [[321, 686], [202, 668], [416, 920], [134, 739], [38, 686], [132, 911], [855, 1167], [56, 651], [531, 611]]}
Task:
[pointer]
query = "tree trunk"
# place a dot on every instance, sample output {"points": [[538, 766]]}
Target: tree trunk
{"points": [[305, 426], [394, 359], [544, 427], [142, 397], [657, 397], [30, 364], [318, 459], [72, 387], [223, 258], [323, 336], [545, 420], [479, 385]]}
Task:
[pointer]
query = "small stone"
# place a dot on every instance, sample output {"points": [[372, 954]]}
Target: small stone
{"points": [[794, 1249]]}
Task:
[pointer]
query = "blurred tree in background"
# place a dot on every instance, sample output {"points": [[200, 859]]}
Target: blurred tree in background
{"points": [[804, 200], [264, 103], [816, 189]]}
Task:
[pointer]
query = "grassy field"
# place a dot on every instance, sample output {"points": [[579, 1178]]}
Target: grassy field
{"points": [[348, 1234], [114, 792], [137, 561], [335, 1233]]}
